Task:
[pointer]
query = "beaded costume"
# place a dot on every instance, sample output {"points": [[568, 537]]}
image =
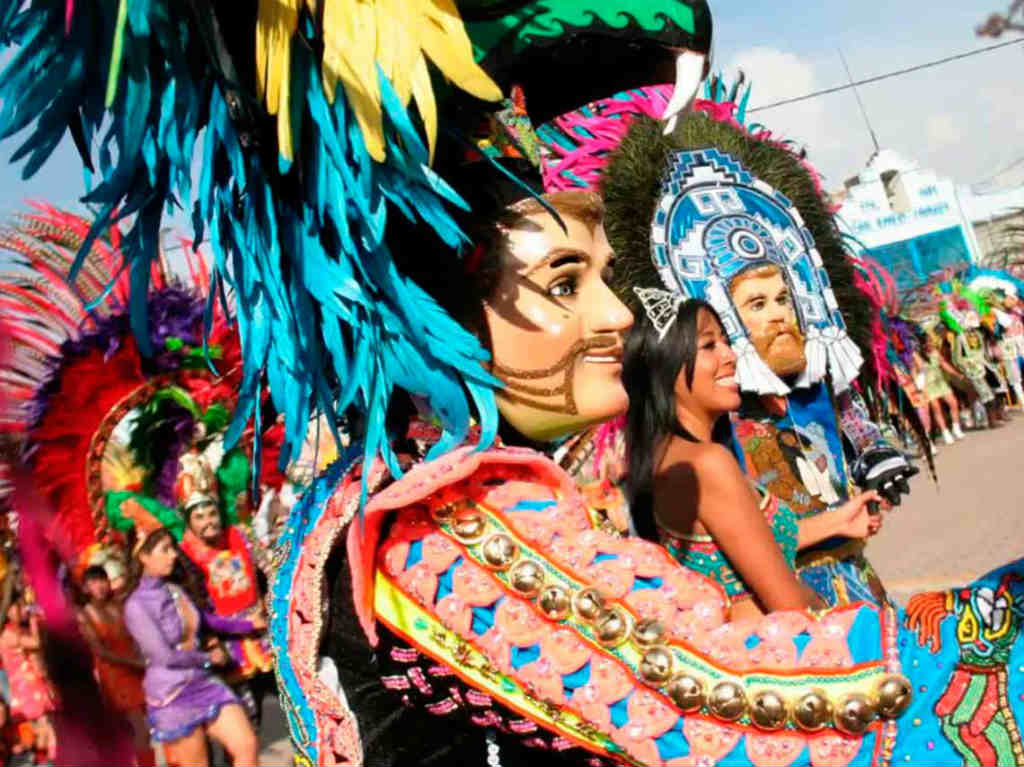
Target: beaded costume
{"points": [[700, 553], [477, 608]]}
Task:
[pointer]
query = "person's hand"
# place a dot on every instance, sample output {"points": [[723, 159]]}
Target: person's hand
{"points": [[259, 622], [218, 657], [854, 518]]}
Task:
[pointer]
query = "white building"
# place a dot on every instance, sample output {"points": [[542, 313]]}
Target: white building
{"points": [[916, 223]]}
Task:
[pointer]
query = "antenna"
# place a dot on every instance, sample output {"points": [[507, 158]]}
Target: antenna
{"points": [[863, 111]]}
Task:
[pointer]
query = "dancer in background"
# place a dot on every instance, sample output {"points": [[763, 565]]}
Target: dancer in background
{"points": [[185, 700], [119, 666], [33, 699], [226, 559], [930, 373]]}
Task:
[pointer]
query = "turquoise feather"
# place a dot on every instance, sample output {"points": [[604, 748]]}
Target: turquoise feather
{"points": [[326, 321]]}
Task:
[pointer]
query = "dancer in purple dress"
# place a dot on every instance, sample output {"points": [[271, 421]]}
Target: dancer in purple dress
{"points": [[185, 701]]}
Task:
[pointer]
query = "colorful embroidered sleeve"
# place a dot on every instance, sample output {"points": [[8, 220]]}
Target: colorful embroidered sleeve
{"points": [[492, 569]]}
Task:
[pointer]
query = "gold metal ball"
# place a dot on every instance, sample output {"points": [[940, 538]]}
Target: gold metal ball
{"points": [[588, 604], [895, 694], [648, 632], [612, 627], [527, 578], [727, 701], [499, 551], [853, 714], [813, 711], [768, 710], [449, 510], [469, 526], [554, 602], [687, 692], [656, 665]]}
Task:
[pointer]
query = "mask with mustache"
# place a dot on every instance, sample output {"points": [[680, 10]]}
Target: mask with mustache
{"points": [[559, 396], [782, 348]]}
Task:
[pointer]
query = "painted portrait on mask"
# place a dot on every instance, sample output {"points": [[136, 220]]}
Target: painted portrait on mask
{"points": [[722, 234], [765, 306]]}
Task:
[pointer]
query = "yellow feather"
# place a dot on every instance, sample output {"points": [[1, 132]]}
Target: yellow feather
{"points": [[117, 468], [284, 114], [385, 19], [423, 92], [445, 42], [350, 41], [275, 26], [261, 52], [359, 35]]}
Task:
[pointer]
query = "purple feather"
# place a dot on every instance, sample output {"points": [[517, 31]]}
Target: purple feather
{"points": [[178, 430], [173, 312], [906, 340]]}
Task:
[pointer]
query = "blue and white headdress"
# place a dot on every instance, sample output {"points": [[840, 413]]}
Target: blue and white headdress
{"points": [[715, 220]]}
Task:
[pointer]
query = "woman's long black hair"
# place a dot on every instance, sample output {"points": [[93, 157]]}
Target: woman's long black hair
{"points": [[650, 368]]}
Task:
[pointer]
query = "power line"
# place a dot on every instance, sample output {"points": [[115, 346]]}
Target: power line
{"points": [[887, 75], [863, 111], [1016, 163]]}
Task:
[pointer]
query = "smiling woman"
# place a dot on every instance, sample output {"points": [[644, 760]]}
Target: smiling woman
{"points": [[687, 491]]}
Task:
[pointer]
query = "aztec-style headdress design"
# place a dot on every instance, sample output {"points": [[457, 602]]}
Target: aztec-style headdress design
{"points": [[688, 212], [713, 221]]}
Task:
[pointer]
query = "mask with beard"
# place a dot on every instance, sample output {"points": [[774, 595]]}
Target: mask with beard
{"points": [[765, 306]]}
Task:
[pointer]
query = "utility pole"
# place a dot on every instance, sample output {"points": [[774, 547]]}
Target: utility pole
{"points": [[863, 111]]}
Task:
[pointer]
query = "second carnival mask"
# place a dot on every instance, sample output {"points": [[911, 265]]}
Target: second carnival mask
{"points": [[715, 227]]}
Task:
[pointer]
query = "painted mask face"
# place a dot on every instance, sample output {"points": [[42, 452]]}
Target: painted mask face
{"points": [[556, 329], [713, 388], [765, 306]]}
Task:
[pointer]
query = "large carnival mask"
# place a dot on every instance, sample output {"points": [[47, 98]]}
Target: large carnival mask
{"points": [[556, 328], [725, 236]]}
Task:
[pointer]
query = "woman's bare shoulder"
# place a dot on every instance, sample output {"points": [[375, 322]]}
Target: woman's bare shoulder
{"points": [[702, 456]]}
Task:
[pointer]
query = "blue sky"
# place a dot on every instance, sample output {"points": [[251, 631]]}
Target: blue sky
{"points": [[964, 118]]}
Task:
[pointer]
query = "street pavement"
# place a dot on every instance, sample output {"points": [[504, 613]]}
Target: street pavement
{"points": [[943, 535], [970, 522]]}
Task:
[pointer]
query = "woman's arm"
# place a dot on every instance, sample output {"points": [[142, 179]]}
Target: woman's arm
{"points": [[728, 509], [850, 520], [97, 647], [155, 648], [234, 626]]}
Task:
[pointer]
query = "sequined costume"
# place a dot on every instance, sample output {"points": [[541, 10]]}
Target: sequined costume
{"points": [[970, 358], [233, 589], [121, 684], [182, 692], [700, 553]]}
